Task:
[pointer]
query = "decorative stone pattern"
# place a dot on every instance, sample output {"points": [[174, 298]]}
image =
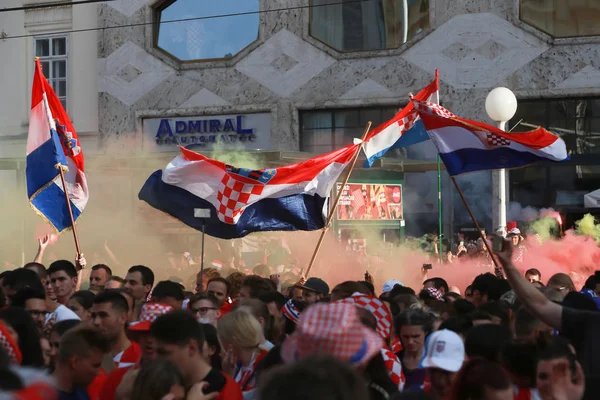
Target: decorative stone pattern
{"points": [[204, 98], [586, 77], [128, 7], [368, 89]]}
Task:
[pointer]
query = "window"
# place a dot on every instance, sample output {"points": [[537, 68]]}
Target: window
{"points": [[200, 37], [352, 25], [326, 130], [53, 56], [562, 18]]}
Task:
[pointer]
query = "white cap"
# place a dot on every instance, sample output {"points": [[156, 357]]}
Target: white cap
{"points": [[444, 350], [389, 285]]}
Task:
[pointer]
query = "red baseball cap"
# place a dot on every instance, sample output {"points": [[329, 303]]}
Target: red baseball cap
{"points": [[149, 312]]}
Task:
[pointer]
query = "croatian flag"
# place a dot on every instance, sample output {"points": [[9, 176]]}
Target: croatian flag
{"points": [[405, 129], [242, 201], [469, 146], [52, 143]]}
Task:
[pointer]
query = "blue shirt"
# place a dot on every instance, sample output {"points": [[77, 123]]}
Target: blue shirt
{"points": [[77, 394]]}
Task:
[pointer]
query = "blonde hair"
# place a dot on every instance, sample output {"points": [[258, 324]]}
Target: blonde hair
{"points": [[241, 329]]}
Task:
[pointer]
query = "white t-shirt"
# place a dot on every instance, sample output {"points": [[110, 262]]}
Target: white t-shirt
{"points": [[61, 313]]}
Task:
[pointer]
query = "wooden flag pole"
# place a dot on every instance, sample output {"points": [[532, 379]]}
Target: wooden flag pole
{"points": [[498, 270], [64, 184], [337, 200]]}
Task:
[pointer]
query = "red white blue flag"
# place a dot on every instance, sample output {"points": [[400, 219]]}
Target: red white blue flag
{"points": [[52, 143], [242, 201], [469, 146]]}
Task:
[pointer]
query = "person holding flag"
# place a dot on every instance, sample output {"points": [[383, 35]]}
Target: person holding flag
{"points": [[56, 183]]}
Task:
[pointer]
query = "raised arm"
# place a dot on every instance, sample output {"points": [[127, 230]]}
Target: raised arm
{"points": [[42, 244], [548, 312]]}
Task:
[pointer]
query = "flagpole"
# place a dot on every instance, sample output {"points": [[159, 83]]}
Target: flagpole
{"points": [[337, 199], [440, 221], [64, 184], [497, 269]]}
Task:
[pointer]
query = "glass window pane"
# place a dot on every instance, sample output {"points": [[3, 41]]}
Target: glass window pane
{"points": [[347, 118], [42, 48], [60, 87], [46, 68], [211, 37], [562, 18], [64, 103], [368, 25], [316, 141], [316, 120], [59, 69], [59, 46]]}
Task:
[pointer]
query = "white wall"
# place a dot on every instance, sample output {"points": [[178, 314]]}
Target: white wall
{"points": [[17, 64]]}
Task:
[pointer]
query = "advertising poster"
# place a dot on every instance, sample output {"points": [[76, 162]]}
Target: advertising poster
{"points": [[361, 201]]}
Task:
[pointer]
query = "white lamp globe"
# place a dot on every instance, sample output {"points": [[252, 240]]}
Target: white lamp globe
{"points": [[501, 104]]}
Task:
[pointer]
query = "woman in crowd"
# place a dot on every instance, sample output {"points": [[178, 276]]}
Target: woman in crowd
{"points": [[21, 327], [81, 304], [482, 379], [413, 327], [213, 347], [242, 339], [260, 311], [562, 283]]}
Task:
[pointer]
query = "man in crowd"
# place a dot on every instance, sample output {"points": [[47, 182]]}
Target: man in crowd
{"points": [[34, 302], [582, 328], [437, 283], [18, 279], [98, 277], [533, 275], [444, 357], [220, 288], [42, 273], [139, 282], [114, 282], [253, 287], [207, 275], [170, 293], [109, 316], [79, 362], [484, 289], [184, 347], [205, 308], [314, 290], [63, 277]]}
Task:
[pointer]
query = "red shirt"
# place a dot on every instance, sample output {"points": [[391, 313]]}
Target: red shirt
{"points": [[226, 308], [112, 382], [231, 390], [96, 386], [129, 357], [246, 376]]}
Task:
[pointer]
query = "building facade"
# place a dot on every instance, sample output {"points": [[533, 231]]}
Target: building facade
{"points": [[299, 77]]}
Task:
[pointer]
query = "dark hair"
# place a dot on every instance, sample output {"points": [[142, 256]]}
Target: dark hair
{"points": [[470, 287], [125, 294], [579, 301], [555, 347], [85, 298], [235, 283], [223, 281], [104, 267], [369, 286], [414, 317], [147, 274], [314, 378], [348, 288], [476, 375], [79, 341], [520, 359], [533, 271], [486, 284], [463, 307], [204, 296], [399, 290], [260, 270], [21, 297], [187, 329], [412, 396], [438, 283], [212, 340], [168, 289], [487, 341], [460, 324], [63, 326], [23, 278], [29, 338], [274, 297], [116, 300], [497, 309], [260, 310], [38, 268], [377, 375], [63, 265], [155, 380], [258, 286]]}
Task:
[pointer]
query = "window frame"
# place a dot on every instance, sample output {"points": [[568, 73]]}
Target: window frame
{"points": [[553, 36], [159, 7], [51, 58]]}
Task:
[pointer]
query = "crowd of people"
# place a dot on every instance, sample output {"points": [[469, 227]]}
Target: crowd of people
{"points": [[249, 336]]}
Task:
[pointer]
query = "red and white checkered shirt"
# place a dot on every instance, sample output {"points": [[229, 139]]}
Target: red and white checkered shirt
{"points": [[129, 357], [392, 363], [246, 376]]}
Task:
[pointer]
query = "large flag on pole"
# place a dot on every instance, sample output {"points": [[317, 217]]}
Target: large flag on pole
{"points": [[52, 143], [469, 146], [242, 201], [405, 129]]}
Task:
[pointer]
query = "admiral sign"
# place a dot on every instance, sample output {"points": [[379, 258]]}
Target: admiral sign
{"points": [[247, 131]]}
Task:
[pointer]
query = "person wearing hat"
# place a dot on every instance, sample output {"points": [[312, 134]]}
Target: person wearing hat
{"points": [[444, 357], [336, 330], [314, 290], [514, 234], [387, 288]]}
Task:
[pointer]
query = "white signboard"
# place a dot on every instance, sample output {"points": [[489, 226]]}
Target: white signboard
{"points": [[247, 131]]}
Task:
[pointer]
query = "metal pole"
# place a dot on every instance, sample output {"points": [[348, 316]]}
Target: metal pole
{"points": [[501, 195], [440, 221], [202, 259]]}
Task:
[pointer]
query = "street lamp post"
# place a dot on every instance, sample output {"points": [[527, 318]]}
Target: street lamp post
{"points": [[501, 106]]}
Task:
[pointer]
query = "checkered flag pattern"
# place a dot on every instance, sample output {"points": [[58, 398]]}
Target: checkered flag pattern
{"points": [[435, 293], [375, 307], [151, 311], [496, 141], [392, 363], [233, 196], [9, 346], [432, 108], [408, 122]]}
